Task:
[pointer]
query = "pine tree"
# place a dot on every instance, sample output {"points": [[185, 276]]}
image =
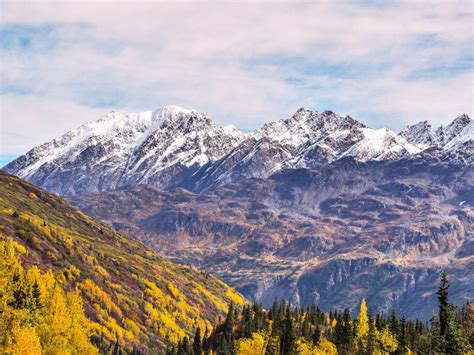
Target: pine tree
{"points": [[184, 348], [371, 337], [466, 318], [444, 306], [380, 322], [246, 323], [402, 337], [316, 335], [36, 296], [288, 342], [449, 328], [437, 344], [229, 321], [394, 324], [197, 343], [343, 333]]}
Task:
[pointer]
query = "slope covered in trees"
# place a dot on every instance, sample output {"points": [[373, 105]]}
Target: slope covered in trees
{"points": [[69, 284], [284, 329]]}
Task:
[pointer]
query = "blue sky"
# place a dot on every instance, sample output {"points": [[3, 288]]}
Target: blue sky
{"points": [[245, 64]]}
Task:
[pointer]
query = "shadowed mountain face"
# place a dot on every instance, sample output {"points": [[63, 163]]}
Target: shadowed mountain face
{"points": [[174, 147], [314, 208], [383, 230]]}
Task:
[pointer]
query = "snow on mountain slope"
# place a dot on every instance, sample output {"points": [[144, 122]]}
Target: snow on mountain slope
{"points": [[303, 140], [420, 134], [459, 131], [424, 136], [116, 129], [306, 126], [380, 144], [173, 147], [119, 150]]}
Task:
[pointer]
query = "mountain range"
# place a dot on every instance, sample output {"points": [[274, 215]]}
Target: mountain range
{"points": [[173, 147], [314, 208]]}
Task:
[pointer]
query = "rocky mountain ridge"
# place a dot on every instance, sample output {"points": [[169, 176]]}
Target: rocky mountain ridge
{"points": [[173, 147], [118, 150], [384, 229], [314, 208]]}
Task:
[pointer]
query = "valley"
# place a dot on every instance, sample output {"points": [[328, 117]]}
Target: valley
{"points": [[310, 209]]}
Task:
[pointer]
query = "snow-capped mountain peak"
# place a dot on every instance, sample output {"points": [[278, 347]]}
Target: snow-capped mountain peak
{"points": [[167, 146], [458, 131], [420, 134], [424, 136], [119, 149], [380, 144], [306, 126]]}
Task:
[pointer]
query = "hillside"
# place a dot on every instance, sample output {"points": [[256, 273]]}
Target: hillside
{"points": [[311, 208], [132, 297], [380, 229]]}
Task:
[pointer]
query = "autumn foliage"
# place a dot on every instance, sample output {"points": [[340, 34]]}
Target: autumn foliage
{"points": [[70, 284], [36, 314]]}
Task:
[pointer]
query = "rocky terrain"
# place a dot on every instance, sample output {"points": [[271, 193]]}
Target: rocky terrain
{"points": [[382, 229], [173, 147], [314, 208], [151, 147]]}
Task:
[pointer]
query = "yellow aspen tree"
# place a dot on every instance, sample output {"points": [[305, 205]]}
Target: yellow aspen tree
{"points": [[10, 271], [57, 325], [27, 342], [303, 347], [326, 347], [9, 265], [80, 330], [388, 342], [362, 326], [252, 346]]}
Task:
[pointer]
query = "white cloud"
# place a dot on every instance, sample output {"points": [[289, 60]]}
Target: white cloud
{"points": [[238, 62], [28, 121]]}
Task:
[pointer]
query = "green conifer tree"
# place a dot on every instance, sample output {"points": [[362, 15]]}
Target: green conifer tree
{"points": [[449, 327], [288, 340], [197, 343]]}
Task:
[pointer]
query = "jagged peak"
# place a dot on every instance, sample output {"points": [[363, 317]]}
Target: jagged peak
{"points": [[418, 133], [328, 113], [461, 120], [423, 135], [421, 124], [145, 143], [173, 110], [176, 116]]}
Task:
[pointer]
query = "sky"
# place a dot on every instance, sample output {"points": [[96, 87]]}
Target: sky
{"points": [[385, 63]]}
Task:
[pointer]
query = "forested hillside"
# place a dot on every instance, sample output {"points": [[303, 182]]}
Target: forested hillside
{"points": [[285, 329], [69, 284]]}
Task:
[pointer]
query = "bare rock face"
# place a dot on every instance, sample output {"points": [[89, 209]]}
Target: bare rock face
{"points": [[174, 147], [314, 208], [151, 147], [383, 230]]}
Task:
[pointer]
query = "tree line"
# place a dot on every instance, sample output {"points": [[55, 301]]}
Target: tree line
{"points": [[286, 329]]}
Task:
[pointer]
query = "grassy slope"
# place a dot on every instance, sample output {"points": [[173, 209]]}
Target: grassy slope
{"points": [[129, 291]]}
